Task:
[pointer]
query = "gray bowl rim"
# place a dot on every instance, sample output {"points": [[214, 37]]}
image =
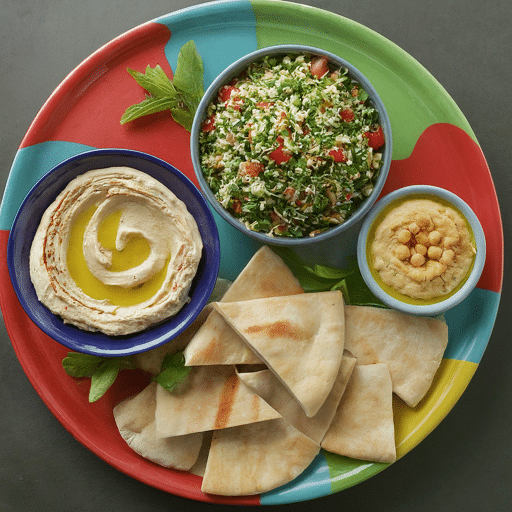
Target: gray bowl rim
{"points": [[444, 305], [234, 70]]}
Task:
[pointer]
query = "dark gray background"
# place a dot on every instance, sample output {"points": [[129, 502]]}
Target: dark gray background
{"points": [[465, 464]]}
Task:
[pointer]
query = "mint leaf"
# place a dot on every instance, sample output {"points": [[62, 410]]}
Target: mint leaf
{"points": [[149, 106], [183, 117], [81, 365], [188, 77], [324, 278], [103, 378], [155, 81], [181, 95], [102, 370], [173, 371], [330, 272]]}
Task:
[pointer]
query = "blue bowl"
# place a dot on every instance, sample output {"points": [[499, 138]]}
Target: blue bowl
{"points": [[428, 309], [44, 193], [234, 70]]}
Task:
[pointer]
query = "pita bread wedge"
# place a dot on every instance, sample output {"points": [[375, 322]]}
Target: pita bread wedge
{"points": [[270, 388], [212, 397], [266, 275], [135, 419], [299, 337], [363, 427], [256, 458], [411, 346], [217, 343]]}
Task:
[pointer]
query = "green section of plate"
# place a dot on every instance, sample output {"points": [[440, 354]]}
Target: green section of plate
{"points": [[346, 472], [413, 98]]}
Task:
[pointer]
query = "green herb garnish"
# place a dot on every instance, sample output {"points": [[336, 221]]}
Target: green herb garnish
{"points": [[173, 371], [320, 278], [181, 95], [101, 370]]}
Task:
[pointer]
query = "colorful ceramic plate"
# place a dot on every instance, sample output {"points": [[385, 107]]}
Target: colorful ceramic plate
{"points": [[433, 144]]}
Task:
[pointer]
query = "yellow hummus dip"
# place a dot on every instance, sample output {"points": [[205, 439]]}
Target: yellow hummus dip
{"points": [[116, 252], [422, 248]]}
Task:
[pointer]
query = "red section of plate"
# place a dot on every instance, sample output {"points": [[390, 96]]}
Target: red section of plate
{"points": [[440, 149], [102, 89], [93, 424]]}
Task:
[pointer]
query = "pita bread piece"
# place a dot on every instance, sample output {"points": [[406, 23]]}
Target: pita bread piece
{"points": [[217, 343], [135, 419], [256, 458], [411, 346], [212, 397], [363, 427], [299, 337], [270, 388], [266, 275]]}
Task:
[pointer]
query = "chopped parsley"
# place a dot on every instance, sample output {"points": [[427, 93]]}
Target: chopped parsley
{"points": [[291, 146]]}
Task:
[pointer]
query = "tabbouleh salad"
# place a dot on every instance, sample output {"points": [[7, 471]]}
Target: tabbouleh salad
{"points": [[291, 146]]}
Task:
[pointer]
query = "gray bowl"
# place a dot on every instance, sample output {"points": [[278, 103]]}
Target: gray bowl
{"points": [[234, 70], [429, 309]]}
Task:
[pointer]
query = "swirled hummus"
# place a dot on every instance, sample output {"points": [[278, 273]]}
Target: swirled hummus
{"points": [[422, 248], [116, 252]]}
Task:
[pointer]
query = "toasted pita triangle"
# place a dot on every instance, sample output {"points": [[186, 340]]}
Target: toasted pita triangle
{"points": [[211, 398], [217, 343], [135, 419], [299, 337], [411, 346], [363, 427], [266, 275], [269, 387], [256, 458]]}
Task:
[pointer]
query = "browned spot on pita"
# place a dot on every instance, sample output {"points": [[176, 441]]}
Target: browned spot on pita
{"points": [[226, 401], [280, 329]]}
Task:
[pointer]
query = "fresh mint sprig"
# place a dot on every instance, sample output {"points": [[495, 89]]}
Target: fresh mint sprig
{"points": [[320, 278], [181, 95], [173, 371], [101, 370]]}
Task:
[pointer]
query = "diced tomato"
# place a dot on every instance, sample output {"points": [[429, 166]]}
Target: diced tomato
{"points": [[263, 104], [278, 155], [209, 124], [226, 92], [251, 169], [236, 206], [319, 67], [375, 139], [338, 155], [347, 114]]}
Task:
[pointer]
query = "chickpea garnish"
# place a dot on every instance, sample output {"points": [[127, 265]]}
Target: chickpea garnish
{"points": [[403, 236], [417, 260], [434, 252], [402, 252]]}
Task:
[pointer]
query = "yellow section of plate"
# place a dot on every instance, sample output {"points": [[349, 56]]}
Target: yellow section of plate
{"points": [[412, 425]]}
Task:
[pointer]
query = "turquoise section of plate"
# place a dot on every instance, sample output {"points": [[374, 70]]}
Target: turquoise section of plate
{"points": [[470, 325], [30, 164], [313, 483], [238, 28]]}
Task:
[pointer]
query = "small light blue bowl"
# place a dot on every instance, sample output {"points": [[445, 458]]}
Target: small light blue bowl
{"points": [[27, 221], [430, 309], [234, 70]]}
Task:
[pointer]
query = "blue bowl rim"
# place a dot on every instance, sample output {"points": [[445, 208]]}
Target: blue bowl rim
{"points": [[423, 309], [97, 343], [233, 70]]}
